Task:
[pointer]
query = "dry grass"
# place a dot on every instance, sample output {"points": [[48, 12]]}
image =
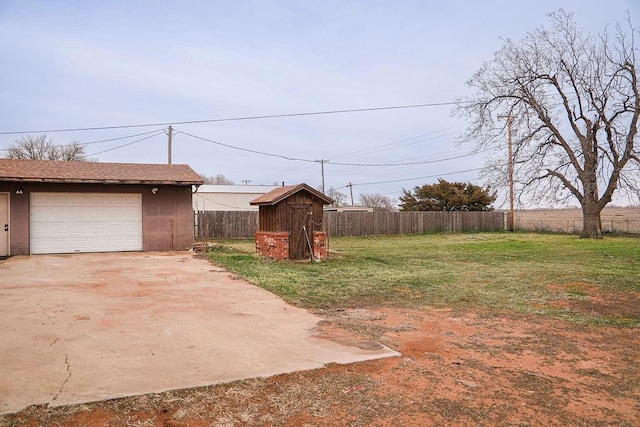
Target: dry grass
{"points": [[614, 220], [260, 401]]}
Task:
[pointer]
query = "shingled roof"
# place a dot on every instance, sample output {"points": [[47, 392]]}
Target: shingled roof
{"points": [[96, 172], [281, 193]]}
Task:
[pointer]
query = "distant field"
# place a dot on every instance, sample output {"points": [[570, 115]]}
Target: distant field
{"points": [[616, 220]]}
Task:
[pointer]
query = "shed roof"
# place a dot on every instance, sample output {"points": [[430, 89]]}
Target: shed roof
{"points": [[96, 172], [279, 194]]}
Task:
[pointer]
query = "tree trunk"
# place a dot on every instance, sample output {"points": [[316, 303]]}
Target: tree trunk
{"points": [[591, 222]]}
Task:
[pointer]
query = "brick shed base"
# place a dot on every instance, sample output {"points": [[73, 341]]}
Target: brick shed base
{"points": [[275, 245], [320, 245]]}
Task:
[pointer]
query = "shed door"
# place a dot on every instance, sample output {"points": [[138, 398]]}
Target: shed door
{"points": [[300, 217], [4, 224], [85, 222]]}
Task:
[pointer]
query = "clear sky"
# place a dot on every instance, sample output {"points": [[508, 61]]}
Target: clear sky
{"points": [[72, 64]]}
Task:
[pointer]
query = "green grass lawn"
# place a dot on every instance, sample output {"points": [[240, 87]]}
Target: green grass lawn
{"points": [[586, 281]]}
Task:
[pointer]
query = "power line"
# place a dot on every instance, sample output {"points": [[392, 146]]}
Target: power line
{"points": [[127, 144], [389, 146], [404, 164], [117, 139], [413, 179], [84, 144], [419, 160], [230, 119], [326, 161], [248, 150]]}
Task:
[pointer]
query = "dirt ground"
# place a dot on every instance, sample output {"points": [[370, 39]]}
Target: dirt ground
{"points": [[457, 368]]}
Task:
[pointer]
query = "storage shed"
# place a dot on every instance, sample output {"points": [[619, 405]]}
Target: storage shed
{"points": [[290, 223], [70, 207]]}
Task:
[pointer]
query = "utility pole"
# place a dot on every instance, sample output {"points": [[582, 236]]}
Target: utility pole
{"points": [[512, 217], [246, 181], [170, 134], [322, 162], [351, 192]]}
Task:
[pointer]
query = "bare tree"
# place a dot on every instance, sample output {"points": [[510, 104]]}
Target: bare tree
{"points": [[574, 100], [38, 147], [219, 179], [377, 201], [338, 197]]}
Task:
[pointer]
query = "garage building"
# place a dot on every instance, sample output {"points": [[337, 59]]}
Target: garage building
{"points": [[70, 207]]}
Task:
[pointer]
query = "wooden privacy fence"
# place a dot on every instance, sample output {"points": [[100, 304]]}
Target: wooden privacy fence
{"points": [[226, 224], [389, 223], [231, 224]]}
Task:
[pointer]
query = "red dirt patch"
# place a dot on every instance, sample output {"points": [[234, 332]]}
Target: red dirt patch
{"points": [[589, 299], [458, 368]]}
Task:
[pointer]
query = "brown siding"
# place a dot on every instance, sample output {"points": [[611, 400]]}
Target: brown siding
{"points": [[281, 216], [267, 219], [300, 198], [317, 217], [273, 218], [167, 217], [18, 219]]}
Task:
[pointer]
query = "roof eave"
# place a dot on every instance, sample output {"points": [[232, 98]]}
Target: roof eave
{"points": [[100, 181]]}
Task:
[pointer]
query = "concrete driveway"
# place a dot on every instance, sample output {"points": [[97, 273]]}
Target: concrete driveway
{"points": [[88, 327]]}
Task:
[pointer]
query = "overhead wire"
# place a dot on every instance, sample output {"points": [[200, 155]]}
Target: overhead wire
{"points": [[230, 119], [328, 162], [403, 164], [84, 144], [127, 144], [392, 145], [118, 138], [278, 176], [248, 150], [382, 147], [413, 179]]}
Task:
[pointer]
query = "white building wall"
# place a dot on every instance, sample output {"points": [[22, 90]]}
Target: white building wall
{"points": [[228, 197]]}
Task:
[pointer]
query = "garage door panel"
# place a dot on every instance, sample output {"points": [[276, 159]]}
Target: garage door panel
{"points": [[85, 222]]}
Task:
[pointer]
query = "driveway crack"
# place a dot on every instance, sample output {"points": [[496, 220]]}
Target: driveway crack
{"points": [[66, 380], [42, 307]]}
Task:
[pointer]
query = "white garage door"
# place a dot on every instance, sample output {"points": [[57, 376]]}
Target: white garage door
{"points": [[85, 222]]}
